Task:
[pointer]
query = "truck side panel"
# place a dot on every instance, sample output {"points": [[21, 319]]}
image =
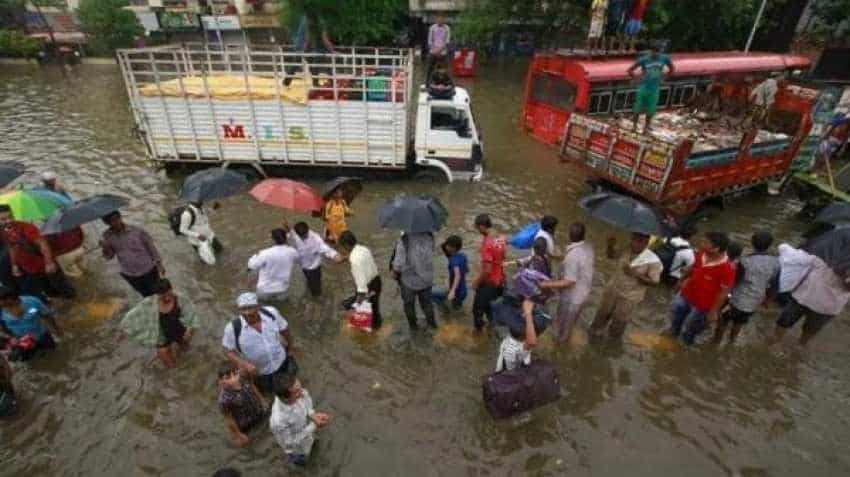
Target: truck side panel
{"points": [[344, 133]]}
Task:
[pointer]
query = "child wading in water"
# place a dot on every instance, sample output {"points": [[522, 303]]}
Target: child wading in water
{"points": [[240, 402], [458, 268], [336, 210]]}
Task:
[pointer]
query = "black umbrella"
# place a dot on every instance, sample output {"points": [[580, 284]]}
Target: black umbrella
{"points": [[83, 211], [9, 171], [833, 248], [834, 213], [351, 186], [413, 214], [211, 184], [626, 212]]}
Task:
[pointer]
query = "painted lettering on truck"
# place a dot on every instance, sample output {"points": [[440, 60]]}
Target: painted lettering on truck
{"points": [[233, 131]]}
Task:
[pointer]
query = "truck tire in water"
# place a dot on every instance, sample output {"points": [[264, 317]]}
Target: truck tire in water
{"points": [[430, 176]]}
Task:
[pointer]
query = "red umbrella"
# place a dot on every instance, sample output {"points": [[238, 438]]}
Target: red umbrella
{"points": [[288, 194]]}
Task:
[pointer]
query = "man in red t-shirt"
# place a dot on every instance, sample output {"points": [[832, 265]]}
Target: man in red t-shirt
{"points": [[33, 267], [491, 279], [703, 289]]}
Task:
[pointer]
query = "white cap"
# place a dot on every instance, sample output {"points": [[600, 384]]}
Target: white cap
{"points": [[247, 299], [48, 176]]}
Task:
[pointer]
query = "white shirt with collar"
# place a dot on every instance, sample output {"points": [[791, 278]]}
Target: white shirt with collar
{"points": [[274, 265], [262, 348], [683, 259], [363, 268], [200, 226], [550, 241], [311, 250]]}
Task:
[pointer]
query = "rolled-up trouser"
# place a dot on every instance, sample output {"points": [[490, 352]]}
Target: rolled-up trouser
{"points": [[409, 297], [568, 315], [686, 316], [314, 280], [614, 312]]}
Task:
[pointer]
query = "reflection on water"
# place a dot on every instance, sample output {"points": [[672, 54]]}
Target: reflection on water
{"points": [[404, 405]]}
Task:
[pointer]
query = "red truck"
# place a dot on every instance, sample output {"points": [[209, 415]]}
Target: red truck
{"points": [[681, 166]]}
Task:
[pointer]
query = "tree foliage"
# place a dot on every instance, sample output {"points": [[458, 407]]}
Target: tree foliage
{"points": [[350, 22], [484, 18], [689, 25], [831, 19], [17, 45], [108, 23]]}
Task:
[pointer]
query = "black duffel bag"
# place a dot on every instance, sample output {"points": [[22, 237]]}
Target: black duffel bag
{"points": [[508, 393]]}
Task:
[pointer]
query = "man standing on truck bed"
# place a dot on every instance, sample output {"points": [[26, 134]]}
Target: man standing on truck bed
{"points": [[652, 72]]}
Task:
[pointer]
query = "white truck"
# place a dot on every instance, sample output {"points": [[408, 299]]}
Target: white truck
{"points": [[346, 111]]}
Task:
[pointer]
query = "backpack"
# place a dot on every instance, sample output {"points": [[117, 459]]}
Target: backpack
{"points": [[176, 215], [667, 253], [524, 238], [237, 326], [406, 243]]}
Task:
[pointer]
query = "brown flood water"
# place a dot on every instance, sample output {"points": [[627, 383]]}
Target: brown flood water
{"points": [[403, 406]]}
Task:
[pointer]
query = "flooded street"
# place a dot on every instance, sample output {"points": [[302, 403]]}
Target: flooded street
{"points": [[402, 406]]}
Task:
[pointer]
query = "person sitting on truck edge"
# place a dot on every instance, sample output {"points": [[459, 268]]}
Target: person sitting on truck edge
{"points": [[754, 275], [334, 214], [440, 84], [652, 72]]}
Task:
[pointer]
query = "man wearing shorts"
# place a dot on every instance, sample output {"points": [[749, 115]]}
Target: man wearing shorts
{"points": [[652, 72], [821, 295]]}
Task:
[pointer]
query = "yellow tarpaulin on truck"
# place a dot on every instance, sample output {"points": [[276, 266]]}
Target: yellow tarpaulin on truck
{"points": [[229, 86]]}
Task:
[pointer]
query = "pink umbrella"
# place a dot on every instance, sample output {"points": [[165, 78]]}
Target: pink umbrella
{"points": [[288, 194]]}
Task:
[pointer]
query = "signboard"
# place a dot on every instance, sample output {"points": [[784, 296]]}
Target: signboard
{"points": [[178, 21], [221, 22], [259, 21]]}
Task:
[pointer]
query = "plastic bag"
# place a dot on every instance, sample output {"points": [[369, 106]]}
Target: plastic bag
{"points": [[524, 239], [205, 250], [361, 316]]}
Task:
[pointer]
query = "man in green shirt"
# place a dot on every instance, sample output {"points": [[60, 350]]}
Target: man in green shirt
{"points": [[652, 68]]}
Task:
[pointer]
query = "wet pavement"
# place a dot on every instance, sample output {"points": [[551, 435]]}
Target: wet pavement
{"points": [[402, 405]]}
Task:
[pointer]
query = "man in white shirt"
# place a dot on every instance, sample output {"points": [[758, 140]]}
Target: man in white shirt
{"points": [[365, 273], [195, 226], [547, 232], [311, 248], [274, 267], [252, 342], [683, 257]]}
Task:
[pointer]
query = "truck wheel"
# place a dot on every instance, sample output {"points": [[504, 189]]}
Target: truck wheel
{"points": [[427, 176]]}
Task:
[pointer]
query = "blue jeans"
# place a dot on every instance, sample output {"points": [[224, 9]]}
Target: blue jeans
{"points": [[687, 317], [440, 295]]}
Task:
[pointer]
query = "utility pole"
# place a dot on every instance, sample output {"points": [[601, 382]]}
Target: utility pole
{"points": [[755, 26]]}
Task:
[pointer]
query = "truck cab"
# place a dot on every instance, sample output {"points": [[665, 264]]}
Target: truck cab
{"points": [[448, 142]]}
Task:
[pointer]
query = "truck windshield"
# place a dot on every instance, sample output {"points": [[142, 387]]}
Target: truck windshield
{"points": [[447, 118], [553, 90]]}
